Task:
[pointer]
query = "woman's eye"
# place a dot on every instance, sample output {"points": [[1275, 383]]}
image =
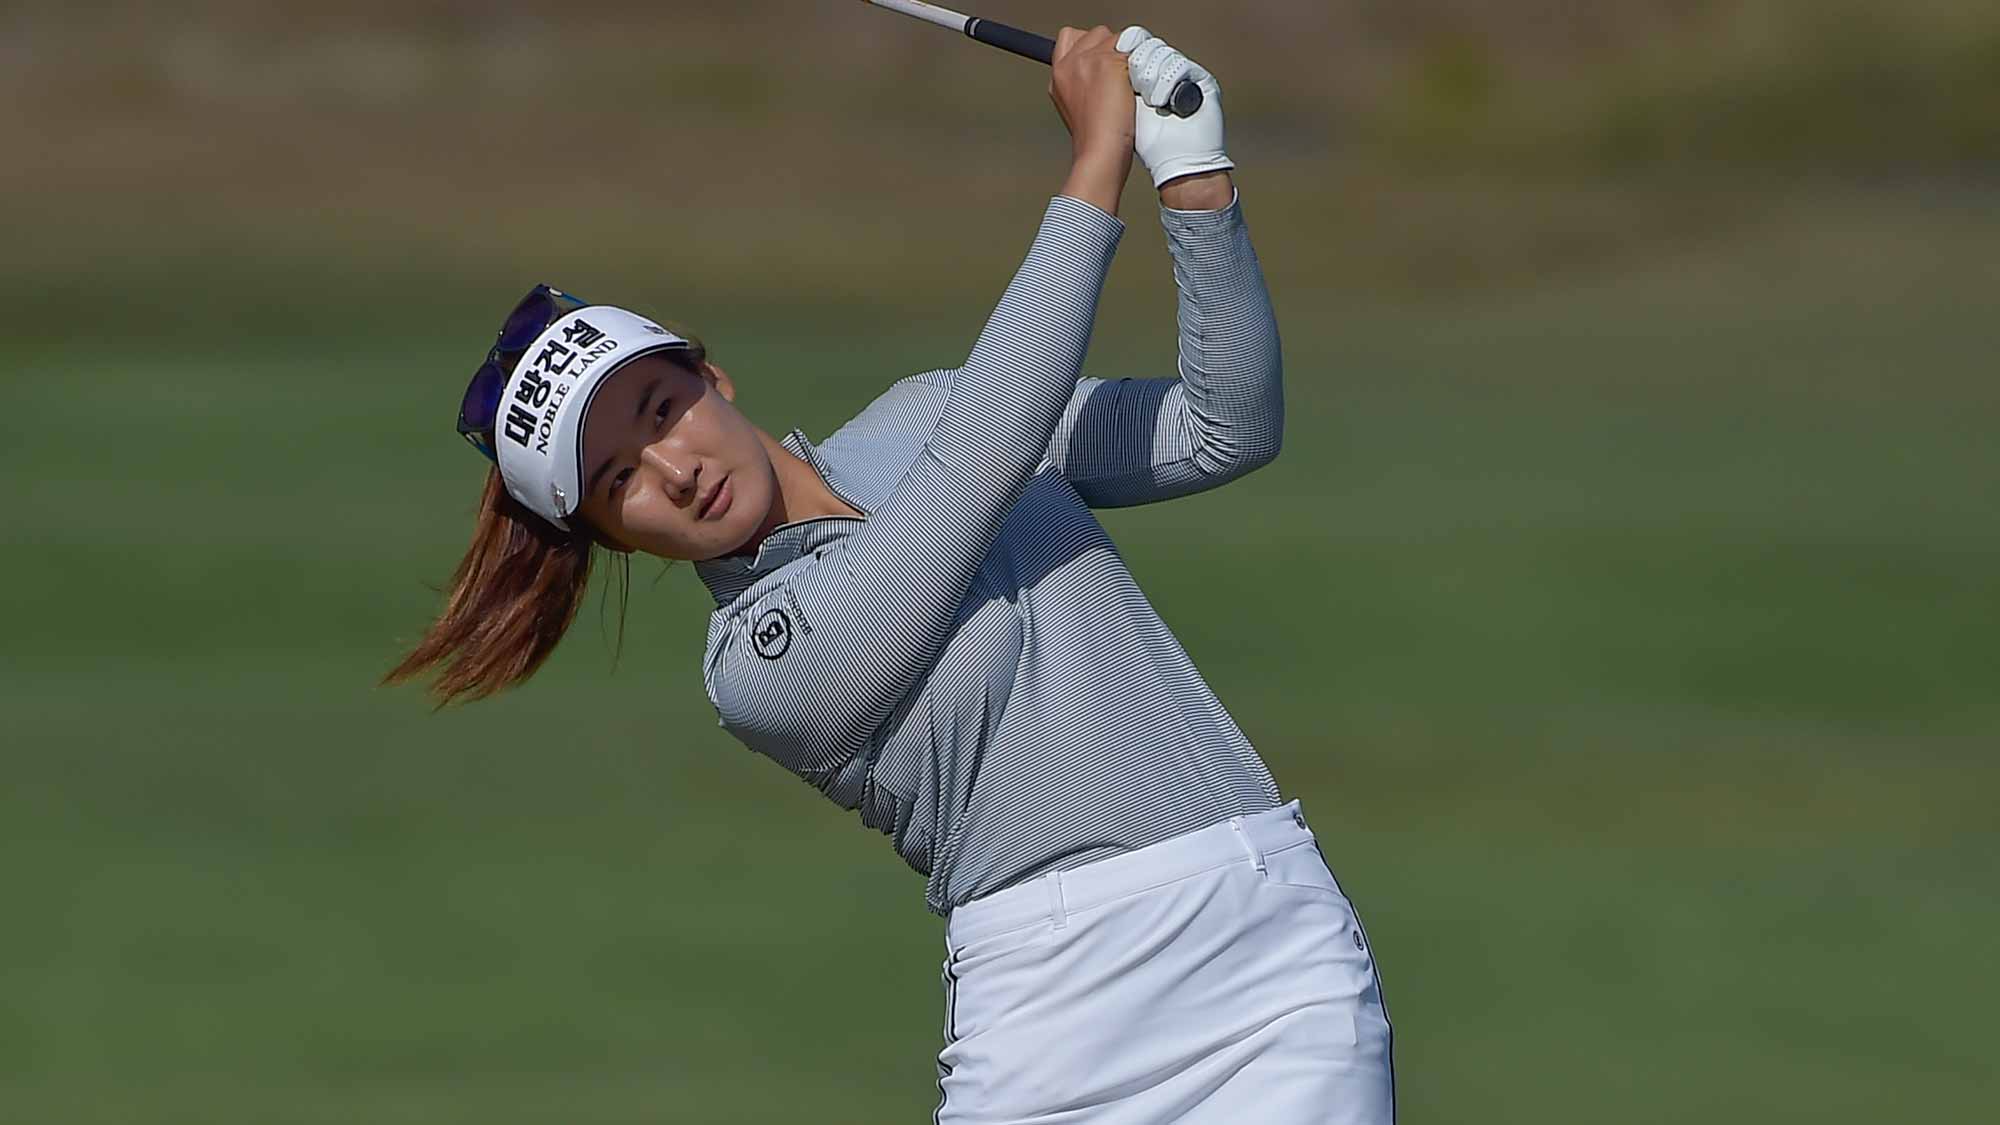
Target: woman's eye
{"points": [[618, 481], [661, 413]]}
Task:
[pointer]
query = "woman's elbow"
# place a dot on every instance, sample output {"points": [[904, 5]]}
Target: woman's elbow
{"points": [[1262, 452], [1248, 451], [1262, 443]]}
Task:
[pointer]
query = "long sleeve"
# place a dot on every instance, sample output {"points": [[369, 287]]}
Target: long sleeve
{"points": [[873, 617], [1134, 441]]}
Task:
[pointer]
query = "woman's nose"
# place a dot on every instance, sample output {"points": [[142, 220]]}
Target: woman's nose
{"points": [[676, 481]]}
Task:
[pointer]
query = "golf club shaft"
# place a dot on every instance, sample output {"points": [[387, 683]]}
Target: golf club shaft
{"points": [[1186, 99]]}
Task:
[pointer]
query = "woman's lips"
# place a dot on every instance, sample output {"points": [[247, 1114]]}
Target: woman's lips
{"points": [[719, 503]]}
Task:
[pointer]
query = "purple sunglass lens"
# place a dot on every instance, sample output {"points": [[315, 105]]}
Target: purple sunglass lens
{"points": [[482, 399], [480, 410], [526, 322]]}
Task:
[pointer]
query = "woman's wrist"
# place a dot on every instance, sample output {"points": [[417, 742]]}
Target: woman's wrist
{"points": [[1204, 191], [1097, 177]]}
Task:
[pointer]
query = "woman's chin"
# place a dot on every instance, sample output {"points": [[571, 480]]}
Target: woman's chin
{"points": [[742, 526]]}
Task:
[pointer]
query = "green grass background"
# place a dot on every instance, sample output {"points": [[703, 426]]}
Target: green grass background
{"points": [[1643, 691]]}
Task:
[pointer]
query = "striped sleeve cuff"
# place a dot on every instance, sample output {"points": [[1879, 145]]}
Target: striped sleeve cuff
{"points": [[1086, 216]]}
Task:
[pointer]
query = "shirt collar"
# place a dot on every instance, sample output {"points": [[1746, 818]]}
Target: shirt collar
{"points": [[728, 576]]}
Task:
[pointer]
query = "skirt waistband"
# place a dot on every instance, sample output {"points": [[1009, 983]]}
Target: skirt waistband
{"points": [[1058, 894]]}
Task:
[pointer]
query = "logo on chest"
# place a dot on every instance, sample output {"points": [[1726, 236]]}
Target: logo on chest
{"points": [[772, 635]]}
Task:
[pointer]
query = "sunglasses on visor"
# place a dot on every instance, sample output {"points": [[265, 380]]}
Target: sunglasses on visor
{"points": [[477, 415]]}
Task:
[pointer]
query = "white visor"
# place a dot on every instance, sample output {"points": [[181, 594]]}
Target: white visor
{"points": [[538, 431]]}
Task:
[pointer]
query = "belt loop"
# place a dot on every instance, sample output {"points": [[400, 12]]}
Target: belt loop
{"points": [[1058, 913], [1249, 845]]}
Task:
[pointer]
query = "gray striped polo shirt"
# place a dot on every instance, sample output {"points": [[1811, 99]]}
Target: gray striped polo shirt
{"points": [[969, 665]]}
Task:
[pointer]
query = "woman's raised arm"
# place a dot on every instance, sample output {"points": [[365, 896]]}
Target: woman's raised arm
{"points": [[877, 614]]}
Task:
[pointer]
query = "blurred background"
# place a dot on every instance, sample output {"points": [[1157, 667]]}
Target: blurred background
{"points": [[1640, 365]]}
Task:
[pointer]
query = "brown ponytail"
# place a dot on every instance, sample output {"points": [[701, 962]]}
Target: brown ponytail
{"points": [[512, 598]]}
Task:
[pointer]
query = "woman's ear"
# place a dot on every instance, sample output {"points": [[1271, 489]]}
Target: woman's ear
{"points": [[720, 378]]}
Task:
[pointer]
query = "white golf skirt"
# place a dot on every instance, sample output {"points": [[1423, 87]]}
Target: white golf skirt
{"points": [[1220, 976]]}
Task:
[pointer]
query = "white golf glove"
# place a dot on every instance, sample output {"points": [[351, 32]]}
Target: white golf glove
{"points": [[1169, 146]]}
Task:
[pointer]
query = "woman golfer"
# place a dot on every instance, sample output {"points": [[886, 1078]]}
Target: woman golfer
{"points": [[921, 617]]}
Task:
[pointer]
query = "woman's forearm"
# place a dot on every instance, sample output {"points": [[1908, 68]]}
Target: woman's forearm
{"points": [[1098, 178], [1207, 191], [1232, 371]]}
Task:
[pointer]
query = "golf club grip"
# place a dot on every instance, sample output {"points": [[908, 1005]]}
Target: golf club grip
{"points": [[1185, 102]]}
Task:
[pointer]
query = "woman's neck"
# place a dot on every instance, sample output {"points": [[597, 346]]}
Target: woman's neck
{"points": [[802, 494]]}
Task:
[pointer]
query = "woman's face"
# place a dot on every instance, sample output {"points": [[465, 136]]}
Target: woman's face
{"points": [[670, 466]]}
